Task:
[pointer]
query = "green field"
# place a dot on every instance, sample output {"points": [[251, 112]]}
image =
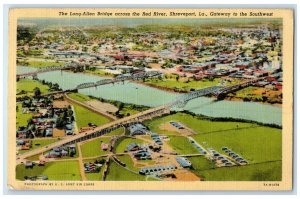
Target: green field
{"points": [[255, 143], [82, 120], [119, 173], [34, 157], [122, 144], [128, 161], [37, 143], [181, 145], [182, 84], [28, 86], [22, 118], [258, 144], [118, 131], [93, 148], [79, 97], [67, 170], [201, 163], [127, 110], [197, 124], [268, 171], [42, 64]]}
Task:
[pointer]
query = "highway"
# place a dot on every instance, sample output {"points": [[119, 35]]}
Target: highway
{"points": [[98, 131]]}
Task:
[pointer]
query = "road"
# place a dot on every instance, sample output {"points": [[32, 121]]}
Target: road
{"points": [[148, 114]]}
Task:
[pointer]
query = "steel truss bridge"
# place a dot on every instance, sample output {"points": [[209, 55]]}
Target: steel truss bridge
{"points": [[51, 68], [137, 76], [180, 102]]}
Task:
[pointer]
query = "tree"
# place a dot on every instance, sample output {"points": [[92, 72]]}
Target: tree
{"points": [[95, 49], [37, 92], [84, 49]]}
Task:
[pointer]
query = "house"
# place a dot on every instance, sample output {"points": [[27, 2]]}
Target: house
{"points": [[84, 129], [132, 147], [104, 146], [28, 164], [41, 163]]}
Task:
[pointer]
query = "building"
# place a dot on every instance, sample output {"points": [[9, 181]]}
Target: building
{"points": [[185, 163], [137, 129], [104, 146], [132, 147]]}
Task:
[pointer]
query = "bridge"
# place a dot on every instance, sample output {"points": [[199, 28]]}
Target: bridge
{"points": [[220, 94], [106, 128], [50, 69], [148, 74], [180, 102]]}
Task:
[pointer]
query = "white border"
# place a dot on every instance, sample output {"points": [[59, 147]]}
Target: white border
{"points": [[137, 3]]}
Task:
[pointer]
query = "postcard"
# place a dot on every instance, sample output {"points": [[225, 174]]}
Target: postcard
{"points": [[150, 99]]}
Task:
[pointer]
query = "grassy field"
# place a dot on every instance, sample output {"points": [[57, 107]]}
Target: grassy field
{"points": [[100, 73], [129, 163], [42, 64], [121, 146], [22, 118], [258, 144], [268, 171], [37, 143], [67, 170], [182, 83], [34, 157], [93, 148], [118, 173], [185, 84], [118, 131], [198, 125], [28, 86], [79, 97], [181, 145], [82, 120], [128, 110], [201, 163]]}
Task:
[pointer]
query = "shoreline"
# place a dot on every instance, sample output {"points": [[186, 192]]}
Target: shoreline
{"points": [[170, 90], [226, 98]]}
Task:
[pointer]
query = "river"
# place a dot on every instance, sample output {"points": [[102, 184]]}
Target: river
{"points": [[130, 92]]}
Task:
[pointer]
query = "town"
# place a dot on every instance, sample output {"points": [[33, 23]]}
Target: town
{"points": [[82, 128]]}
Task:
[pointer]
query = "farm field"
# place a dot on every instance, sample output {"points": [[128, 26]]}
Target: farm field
{"points": [[63, 170]]}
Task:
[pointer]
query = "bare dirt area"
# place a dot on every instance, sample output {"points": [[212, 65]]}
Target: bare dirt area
{"points": [[168, 127], [102, 106], [184, 175], [60, 104]]}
